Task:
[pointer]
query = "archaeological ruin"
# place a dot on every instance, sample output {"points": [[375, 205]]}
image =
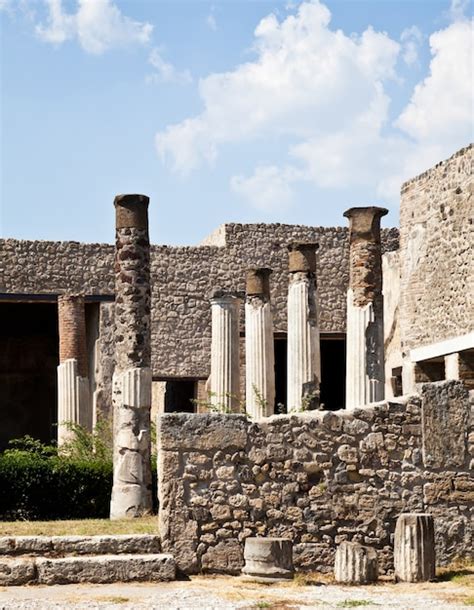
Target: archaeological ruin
{"points": [[311, 384]]}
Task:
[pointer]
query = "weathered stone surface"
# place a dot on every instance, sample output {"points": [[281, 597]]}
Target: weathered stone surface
{"points": [[445, 415], [105, 569], [17, 572], [355, 564], [110, 545], [268, 558], [414, 550], [25, 545], [316, 478], [225, 557], [201, 432]]}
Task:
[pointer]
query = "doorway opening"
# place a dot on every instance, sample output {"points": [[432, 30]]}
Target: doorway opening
{"points": [[281, 349], [180, 395], [29, 356], [333, 371]]}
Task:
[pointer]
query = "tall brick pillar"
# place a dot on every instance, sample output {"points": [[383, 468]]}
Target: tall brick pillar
{"points": [[304, 360], [259, 347], [365, 376], [74, 405], [131, 492], [225, 352]]}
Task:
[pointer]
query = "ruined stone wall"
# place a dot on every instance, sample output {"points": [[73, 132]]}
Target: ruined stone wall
{"points": [[318, 478], [436, 240], [182, 278]]}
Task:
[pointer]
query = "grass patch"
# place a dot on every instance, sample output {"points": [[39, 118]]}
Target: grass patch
{"points": [[113, 599], [458, 572], [469, 601], [82, 527], [355, 603]]}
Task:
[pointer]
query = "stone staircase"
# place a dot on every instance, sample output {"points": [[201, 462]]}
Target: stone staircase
{"points": [[51, 560]]}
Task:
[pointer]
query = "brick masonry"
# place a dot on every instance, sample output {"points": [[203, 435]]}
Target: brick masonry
{"points": [[72, 331], [318, 478]]}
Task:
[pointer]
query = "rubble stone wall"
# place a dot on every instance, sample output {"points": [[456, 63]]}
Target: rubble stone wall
{"points": [[437, 274], [318, 478], [182, 278]]}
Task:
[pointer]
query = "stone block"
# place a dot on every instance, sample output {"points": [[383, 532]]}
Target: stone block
{"points": [[17, 571], [226, 557], [210, 431], [105, 569], [268, 558], [445, 412], [355, 564]]}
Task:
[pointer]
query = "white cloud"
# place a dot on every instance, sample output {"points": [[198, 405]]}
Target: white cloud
{"points": [[211, 21], [411, 39], [441, 107], [98, 25], [323, 95], [457, 9], [306, 80], [269, 188], [165, 72]]}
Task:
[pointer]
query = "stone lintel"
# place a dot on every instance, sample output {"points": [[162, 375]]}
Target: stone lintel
{"points": [[364, 222], [302, 257], [258, 282], [131, 211]]}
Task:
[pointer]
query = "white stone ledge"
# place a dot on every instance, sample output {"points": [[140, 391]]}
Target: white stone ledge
{"points": [[443, 348]]}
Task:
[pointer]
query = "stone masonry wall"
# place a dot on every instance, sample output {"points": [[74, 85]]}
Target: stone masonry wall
{"points": [[318, 478], [437, 272], [182, 278]]}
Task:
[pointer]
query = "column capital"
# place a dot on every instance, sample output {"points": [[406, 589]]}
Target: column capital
{"points": [[364, 222], [302, 256], [131, 211], [258, 282], [218, 295]]}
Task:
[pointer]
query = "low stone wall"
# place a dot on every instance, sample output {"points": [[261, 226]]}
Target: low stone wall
{"points": [[318, 478]]}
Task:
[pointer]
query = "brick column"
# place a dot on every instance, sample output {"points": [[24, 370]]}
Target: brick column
{"points": [[365, 376], [74, 406], [131, 492], [225, 352], [304, 360], [259, 348]]}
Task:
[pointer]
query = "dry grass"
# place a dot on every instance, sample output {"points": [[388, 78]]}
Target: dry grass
{"points": [[84, 527]]}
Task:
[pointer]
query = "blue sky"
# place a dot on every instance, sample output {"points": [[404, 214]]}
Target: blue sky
{"points": [[248, 111]]}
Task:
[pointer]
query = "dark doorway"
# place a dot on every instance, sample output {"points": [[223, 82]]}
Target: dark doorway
{"points": [[29, 355], [333, 372], [281, 348], [179, 396]]}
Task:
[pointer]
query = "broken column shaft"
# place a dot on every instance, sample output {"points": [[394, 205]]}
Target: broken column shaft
{"points": [[131, 492], [414, 548], [259, 348], [365, 340], [73, 384], [304, 365], [225, 353]]}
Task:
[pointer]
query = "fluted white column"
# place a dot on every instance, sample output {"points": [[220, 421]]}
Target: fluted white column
{"points": [[365, 374], [73, 399], [225, 353], [259, 347], [304, 361], [414, 548]]}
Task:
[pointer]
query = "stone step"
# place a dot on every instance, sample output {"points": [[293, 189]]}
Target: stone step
{"points": [[79, 545], [96, 569]]}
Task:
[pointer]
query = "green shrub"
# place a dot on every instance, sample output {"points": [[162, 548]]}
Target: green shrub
{"points": [[41, 487], [40, 484]]}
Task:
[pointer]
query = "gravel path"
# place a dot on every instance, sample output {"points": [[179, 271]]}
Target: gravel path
{"points": [[224, 593]]}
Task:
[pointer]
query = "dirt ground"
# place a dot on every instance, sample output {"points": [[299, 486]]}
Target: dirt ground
{"points": [[225, 593]]}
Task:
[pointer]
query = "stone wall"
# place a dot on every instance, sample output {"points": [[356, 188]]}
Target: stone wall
{"points": [[318, 478], [437, 274], [182, 278]]}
